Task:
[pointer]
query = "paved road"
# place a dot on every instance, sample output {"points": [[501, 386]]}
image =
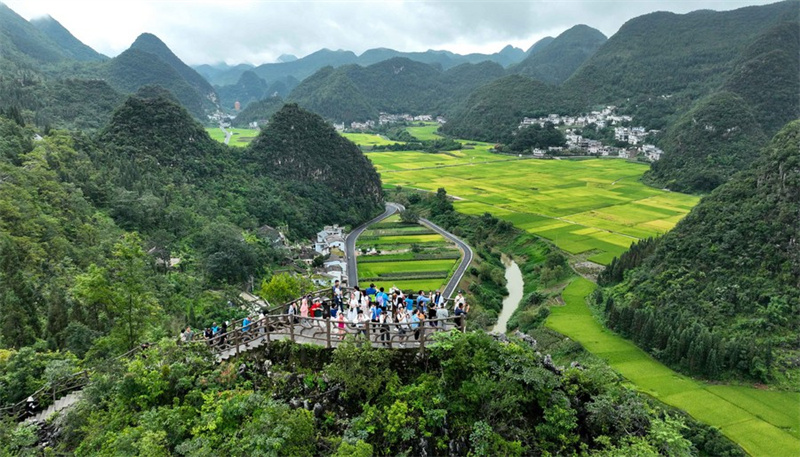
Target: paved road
{"points": [[392, 208], [350, 242], [451, 286]]}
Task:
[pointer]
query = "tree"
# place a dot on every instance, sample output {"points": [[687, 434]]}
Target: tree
{"points": [[284, 287], [409, 216], [124, 289]]}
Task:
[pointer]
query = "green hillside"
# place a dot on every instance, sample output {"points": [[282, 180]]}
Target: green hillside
{"points": [[333, 95], [150, 43], [71, 46], [135, 68], [677, 55], [706, 146], [558, 60], [22, 45], [493, 111], [765, 76], [718, 295], [259, 111]]}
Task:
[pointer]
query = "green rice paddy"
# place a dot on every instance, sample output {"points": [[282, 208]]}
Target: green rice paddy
{"points": [[426, 267], [368, 139], [763, 422], [595, 208], [426, 132], [240, 137]]}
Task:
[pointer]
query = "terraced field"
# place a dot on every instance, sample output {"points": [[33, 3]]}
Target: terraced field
{"points": [[407, 256], [367, 139], [596, 207]]}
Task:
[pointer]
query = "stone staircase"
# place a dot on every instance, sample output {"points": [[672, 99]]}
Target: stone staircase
{"points": [[60, 404]]}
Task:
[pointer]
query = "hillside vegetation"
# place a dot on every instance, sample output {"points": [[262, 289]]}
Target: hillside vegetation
{"points": [[718, 295], [559, 59]]}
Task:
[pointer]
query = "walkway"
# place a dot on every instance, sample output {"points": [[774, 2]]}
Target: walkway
{"points": [[764, 423]]}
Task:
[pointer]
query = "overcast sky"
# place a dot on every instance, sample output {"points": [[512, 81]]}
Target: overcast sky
{"points": [[258, 31]]}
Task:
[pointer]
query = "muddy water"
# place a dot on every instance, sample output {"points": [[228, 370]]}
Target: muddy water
{"points": [[514, 285]]}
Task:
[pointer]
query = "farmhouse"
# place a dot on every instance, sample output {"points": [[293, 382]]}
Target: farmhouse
{"points": [[332, 236]]}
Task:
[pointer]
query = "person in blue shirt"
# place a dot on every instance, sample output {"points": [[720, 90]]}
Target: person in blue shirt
{"points": [[246, 324], [371, 290], [375, 313], [214, 328], [383, 299], [410, 303]]}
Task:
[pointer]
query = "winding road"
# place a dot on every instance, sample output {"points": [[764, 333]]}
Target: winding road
{"points": [[392, 208], [350, 241]]}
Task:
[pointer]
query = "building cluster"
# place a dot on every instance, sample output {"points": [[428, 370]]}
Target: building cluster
{"points": [[601, 119], [634, 136], [386, 118], [330, 242]]}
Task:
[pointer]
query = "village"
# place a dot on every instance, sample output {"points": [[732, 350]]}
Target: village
{"points": [[634, 136]]}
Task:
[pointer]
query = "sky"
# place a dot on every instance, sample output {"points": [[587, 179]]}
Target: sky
{"points": [[259, 31]]}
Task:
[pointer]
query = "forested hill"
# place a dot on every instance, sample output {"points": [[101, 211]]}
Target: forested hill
{"points": [[559, 59], [70, 45], [677, 55], [303, 147], [150, 62], [493, 111], [355, 93], [707, 145], [719, 295]]}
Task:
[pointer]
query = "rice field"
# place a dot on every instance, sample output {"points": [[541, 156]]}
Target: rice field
{"points": [[426, 132], [368, 139], [595, 208], [763, 422], [240, 137], [422, 260]]}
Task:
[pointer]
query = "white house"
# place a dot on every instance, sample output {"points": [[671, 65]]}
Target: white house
{"points": [[329, 234]]}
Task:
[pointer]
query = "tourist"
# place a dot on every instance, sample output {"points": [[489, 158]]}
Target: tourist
{"points": [[304, 311], [223, 332], [410, 303], [461, 313], [182, 337], [336, 294], [292, 312], [415, 321], [371, 292], [340, 325], [384, 320], [262, 322], [246, 324], [208, 335], [214, 329], [189, 334], [459, 299]]}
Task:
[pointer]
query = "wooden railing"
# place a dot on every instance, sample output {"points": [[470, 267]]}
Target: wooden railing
{"points": [[52, 391], [328, 332]]}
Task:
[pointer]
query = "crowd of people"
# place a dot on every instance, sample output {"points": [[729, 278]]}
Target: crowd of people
{"points": [[381, 310], [372, 308]]}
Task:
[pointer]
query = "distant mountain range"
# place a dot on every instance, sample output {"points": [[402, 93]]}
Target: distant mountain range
{"points": [[223, 74], [737, 69]]}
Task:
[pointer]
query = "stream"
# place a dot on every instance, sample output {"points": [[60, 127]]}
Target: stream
{"points": [[514, 285]]}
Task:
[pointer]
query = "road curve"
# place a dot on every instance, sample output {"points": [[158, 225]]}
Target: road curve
{"points": [[451, 286], [350, 241]]}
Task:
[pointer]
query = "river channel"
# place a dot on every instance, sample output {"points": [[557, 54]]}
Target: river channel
{"points": [[514, 285]]}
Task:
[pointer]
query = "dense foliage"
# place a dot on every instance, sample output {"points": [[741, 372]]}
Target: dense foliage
{"points": [[259, 111], [90, 228], [493, 111], [468, 395], [707, 145], [558, 60], [718, 296], [398, 85]]}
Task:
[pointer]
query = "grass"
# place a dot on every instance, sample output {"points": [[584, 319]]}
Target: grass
{"points": [[595, 207], [426, 132], [372, 269], [764, 423], [240, 137], [368, 139]]}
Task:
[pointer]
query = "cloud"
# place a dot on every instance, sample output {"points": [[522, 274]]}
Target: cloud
{"points": [[256, 31]]}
